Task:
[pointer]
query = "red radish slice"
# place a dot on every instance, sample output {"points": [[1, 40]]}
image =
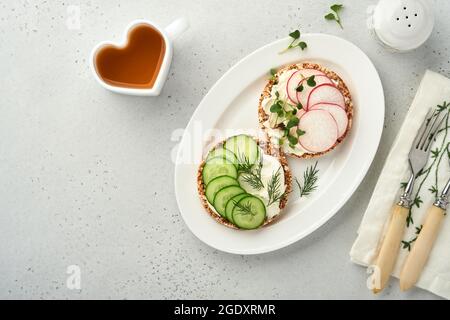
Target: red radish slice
{"points": [[332, 104], [320, 129], [326, 93], [311, 72], [292, 85], [300, 113], [294, 81], [302, 96], [337, 113]]}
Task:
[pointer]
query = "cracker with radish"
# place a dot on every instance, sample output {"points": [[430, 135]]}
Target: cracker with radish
{"points": [[243, 183], [306, 109]]}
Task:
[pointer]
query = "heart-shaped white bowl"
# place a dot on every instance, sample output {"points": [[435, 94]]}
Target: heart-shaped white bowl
{"points": [[168, 34]]}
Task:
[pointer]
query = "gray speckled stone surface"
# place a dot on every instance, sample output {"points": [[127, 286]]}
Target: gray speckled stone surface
{"points": [[86, 176]]}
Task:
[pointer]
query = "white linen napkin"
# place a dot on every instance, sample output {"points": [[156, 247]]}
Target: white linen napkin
{"points": [[433, 91]]}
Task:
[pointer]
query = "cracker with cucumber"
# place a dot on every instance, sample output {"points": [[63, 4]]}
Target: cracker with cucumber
{"points": [[243, 183]]}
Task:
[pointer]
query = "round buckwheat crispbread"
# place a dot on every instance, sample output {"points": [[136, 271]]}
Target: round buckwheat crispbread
{"points": [[268, 149], [340, 85]]}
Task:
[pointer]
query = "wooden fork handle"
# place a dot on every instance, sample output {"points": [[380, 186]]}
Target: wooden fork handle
{"points": [[389, 248], [421, 249]]}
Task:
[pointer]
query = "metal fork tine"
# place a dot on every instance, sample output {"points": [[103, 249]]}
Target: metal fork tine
{"points": [[428, 130], [417, 160], [432, 134], [422, 129]]}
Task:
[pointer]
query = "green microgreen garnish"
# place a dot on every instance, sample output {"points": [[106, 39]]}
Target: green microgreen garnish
{"points": [[293, 122], [302, 45], [276, 107], [273, 73], [311, 82], [310, 177], [293, 140], [334, 15], [287, 113], [274, 188], [295, 35]]}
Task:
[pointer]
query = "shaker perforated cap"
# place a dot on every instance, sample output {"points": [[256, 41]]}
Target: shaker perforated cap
{"points": [[403, 24]]}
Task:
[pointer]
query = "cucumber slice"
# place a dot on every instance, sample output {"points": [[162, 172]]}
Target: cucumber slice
{"points": [[230, 206], [219, 183], [223, 196], [249, 213], [217, 167], [244, 147], [223, 153]]}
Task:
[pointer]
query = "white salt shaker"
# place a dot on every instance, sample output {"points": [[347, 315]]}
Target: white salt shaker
{"points": [[402, 25]]}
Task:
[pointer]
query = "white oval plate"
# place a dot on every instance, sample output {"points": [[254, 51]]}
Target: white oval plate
{"points": [[231, 105]]}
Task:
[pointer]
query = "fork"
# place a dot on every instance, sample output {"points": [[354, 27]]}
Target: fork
{"points": [[421, 249], [417, 158]]}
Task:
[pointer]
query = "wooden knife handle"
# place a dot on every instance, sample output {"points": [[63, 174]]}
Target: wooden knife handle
{"points": [[421, 249], [389, 248]]}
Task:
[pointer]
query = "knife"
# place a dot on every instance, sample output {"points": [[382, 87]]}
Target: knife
{"points": [[421, 249], [417, 158]]}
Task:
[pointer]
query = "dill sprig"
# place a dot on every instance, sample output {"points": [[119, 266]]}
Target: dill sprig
{"points": [[250, 172], [244, 208], [274, 188], [310, 177], [244, 163]]}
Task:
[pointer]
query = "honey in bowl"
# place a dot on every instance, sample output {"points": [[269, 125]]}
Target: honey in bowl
{"points": [[137, 64]]}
